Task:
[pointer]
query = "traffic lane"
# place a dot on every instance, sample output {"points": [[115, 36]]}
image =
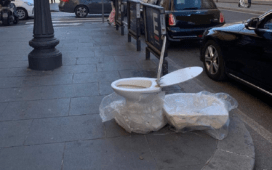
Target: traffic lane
{"points": [[231, 16]]}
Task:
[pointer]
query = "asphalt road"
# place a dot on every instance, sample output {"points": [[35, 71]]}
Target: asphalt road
{"points": [[255, 108]]}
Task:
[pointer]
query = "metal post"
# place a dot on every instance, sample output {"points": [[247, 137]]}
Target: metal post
{"points": [[103, 11], [44, 56], [147, 53]]}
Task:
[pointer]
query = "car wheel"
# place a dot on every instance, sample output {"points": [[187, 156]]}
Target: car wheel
{"points": [[213, 61], [81, 11], [6, 22], [22, 13]]}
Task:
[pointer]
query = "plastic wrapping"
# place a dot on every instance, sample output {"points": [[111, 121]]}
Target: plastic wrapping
{"points": [[139, 117], [200, 111]]}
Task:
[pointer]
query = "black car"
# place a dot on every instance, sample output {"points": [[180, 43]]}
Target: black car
{"points": [[188, 19], [84, 7], [241, 51]]}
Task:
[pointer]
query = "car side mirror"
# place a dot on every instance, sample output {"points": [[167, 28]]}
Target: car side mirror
{"points": [[252, 23]]}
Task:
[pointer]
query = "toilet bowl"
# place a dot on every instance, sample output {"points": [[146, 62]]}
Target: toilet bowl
{"points": [[133, 89], [136, 88]]}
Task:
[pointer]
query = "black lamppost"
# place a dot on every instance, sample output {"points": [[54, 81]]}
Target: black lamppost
{"points": [[44, 56]]}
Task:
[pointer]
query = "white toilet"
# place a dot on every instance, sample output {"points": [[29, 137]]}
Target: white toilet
{"points": [[133, 89]]}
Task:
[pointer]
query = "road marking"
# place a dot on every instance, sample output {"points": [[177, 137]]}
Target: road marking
{"points": [[247, 120], [71, 21]]}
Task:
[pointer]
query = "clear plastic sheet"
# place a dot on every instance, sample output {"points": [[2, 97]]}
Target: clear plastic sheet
{"points": [[143, 116], [200, 111]]}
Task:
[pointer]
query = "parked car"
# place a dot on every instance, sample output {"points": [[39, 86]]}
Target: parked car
{"points": [[188, 19], [241, 51], [82, 8], [25, 8]]}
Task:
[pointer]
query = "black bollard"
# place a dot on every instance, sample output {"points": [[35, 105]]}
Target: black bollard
{"points": [[44, 56]]}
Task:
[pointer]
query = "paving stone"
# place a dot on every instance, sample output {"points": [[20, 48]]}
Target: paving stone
{"points": [[225, 161], [74, 90], [13, 133], [13, 64], [117, 66], [88, 60], [238, 140], [109, 154], [76, 69], [39, 157], [8, 82], [180, 151], [68, 61], [105, 88], [65, 129], [85, 105], [65, 48], [36, 109], [138, 73], [114, 130], [90, 89], [96, 77], [119, 59], [17, 94], [3, 106], [4, 58]]}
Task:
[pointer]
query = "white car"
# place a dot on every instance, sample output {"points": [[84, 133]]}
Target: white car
{"points": [[25, 8]]}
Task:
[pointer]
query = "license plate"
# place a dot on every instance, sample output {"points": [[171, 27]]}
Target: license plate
{"points": [[5, 15]]}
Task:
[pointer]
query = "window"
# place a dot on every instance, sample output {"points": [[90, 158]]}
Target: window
{"points": [[268, 24], [193, 4]]}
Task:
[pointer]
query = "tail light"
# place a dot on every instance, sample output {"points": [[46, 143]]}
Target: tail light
{"points": [[172, 20], [221, 20], [64, 0]]}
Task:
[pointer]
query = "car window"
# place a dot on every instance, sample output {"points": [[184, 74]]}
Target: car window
{"points": [[193, 4], [268, 24]]}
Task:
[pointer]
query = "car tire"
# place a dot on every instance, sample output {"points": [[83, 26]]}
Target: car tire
{"points": [[81, 11], [213, 61], [22, 13], [16, 20], [6, 22]]}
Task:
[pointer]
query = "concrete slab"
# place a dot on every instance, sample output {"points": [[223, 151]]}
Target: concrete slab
{"points": [[42, 157], [65, 129], [36, 109], [14, 133]]}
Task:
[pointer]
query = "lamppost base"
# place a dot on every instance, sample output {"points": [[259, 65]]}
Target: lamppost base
{"points": [[45, 59], [44, 56]]}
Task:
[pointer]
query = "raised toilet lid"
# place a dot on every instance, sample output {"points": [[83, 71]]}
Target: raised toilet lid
{"points": [[180, 76]]}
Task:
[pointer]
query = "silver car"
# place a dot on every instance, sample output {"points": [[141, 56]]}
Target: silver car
{"points": [[84, 7]]}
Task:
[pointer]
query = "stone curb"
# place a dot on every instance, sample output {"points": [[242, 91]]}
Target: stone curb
{"points": [[243, 10]]}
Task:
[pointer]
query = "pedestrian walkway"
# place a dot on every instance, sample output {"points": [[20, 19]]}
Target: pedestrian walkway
{"points": [[54, 7], [255, 8], [49, 120]]}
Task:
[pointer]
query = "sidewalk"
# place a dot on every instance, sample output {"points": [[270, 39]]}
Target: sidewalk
{"points": [[54, 7], [255, 8], [50, 120]]}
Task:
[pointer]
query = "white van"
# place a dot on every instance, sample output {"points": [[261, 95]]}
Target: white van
{"points": [[25, 8]]}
